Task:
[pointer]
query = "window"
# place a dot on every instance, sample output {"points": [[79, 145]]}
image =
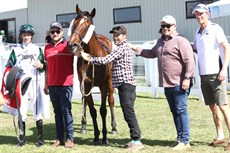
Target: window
{"points": [[190, 5], [65, 19], [9, 28], [127, 15]]}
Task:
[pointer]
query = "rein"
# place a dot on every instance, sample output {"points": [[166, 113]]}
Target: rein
{"points": [[83, 79]]}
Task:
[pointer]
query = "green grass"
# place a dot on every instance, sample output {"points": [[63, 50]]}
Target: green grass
{"points": [[155, 121]]}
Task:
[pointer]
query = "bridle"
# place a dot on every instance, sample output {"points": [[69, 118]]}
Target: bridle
{"points": [[80, 45]]}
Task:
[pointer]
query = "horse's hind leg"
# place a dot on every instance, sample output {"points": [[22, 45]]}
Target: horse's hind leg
{"points": [[111, 106], [83, 118]]}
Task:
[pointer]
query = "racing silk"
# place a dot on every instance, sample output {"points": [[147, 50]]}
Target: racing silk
{"points": [[24, 57]]}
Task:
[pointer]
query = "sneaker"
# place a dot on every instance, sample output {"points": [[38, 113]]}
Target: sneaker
{"points": [[134, 145], [69, 144], [227, 147], [57, 143], [181, 146], [174, 143], [129, 144], [216, 142]]}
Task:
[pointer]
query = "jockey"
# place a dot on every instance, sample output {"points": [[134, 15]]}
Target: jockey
{"points": [[30, 59]]}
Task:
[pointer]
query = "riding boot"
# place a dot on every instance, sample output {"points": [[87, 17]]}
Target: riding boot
{"points": [[40, 141], [22, 134]]}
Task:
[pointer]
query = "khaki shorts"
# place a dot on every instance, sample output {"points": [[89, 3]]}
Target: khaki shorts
{"points": [[214, 91]]}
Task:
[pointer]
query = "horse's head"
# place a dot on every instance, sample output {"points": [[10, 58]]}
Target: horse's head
{"points": [[81, 30]]}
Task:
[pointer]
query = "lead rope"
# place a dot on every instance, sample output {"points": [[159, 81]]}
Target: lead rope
{"points": [[83, 79]]}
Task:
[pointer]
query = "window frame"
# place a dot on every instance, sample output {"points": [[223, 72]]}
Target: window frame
{"points": [[116, 14]]}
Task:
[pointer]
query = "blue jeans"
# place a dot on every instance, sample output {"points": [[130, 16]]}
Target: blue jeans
{"points": [[61, 97], [177, 100]]}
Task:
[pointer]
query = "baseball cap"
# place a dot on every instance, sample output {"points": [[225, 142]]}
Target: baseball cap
{"points": [[201, 8], [119, 29], [55, 24], [168, 19]]}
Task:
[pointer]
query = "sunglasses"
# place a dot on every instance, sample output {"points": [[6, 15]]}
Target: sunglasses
{"points": [[167, 26], [53, 31]]}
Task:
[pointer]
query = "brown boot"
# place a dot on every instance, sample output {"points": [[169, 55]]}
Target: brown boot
{"points": [[57, 143]]}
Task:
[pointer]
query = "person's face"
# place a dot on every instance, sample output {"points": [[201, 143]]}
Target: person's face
{"points": [[117, 38], [167, 29], [26, 38], [202, 17], [56, 34]]}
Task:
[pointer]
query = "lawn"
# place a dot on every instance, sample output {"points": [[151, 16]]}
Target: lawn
{"points": [[155, 122]]}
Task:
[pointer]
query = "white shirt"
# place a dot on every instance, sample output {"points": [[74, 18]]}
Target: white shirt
{"points": [[207, 43]]}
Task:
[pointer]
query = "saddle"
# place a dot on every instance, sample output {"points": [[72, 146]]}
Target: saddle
{"points": [[105, 43], [14, 74]]}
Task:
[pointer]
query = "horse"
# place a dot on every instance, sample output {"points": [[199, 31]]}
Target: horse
{"points": [[93, 75]]}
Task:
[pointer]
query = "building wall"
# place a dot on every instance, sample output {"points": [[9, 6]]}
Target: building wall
{"points": [[41, 13], [19, 15]]}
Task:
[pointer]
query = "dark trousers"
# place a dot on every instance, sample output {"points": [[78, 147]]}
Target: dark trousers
{"points": [[61, 97], [127, 96]]}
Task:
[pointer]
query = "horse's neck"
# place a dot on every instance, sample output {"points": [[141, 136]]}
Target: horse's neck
{"points": [[94, 47]]}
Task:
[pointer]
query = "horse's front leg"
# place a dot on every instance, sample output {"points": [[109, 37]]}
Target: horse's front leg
{"points": [[111, 106], [93, 113], [83, 118], [103, 112]]}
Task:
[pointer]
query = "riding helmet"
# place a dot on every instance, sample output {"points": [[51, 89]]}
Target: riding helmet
{"points": [[26, 28]]}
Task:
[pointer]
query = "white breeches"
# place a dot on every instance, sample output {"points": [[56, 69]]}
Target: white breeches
{"points": [[29, 100]]}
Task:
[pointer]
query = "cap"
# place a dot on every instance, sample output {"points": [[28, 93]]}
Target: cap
{"points": [[168, 19], [201, 8], [55, 24], [119, 29]]}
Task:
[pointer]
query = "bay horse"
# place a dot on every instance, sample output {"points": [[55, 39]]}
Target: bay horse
{"points": [[93, 75]]}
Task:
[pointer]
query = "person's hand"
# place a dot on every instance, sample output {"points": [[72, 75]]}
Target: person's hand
{"points": [[46, 90], [222, 75], [86, 56], [38, 64], [185, 84], [135, 48]]}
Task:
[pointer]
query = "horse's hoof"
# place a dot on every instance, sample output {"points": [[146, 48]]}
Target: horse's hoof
{"points": [[83, 131], [114, 132], [96, 143], [105, 142]]}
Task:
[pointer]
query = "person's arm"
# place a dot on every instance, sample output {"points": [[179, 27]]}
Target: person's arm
{"points": [[223, 72], [46, 90], [188, 60], [147, 53], [40, 63], [12, 59], [115, 54]]}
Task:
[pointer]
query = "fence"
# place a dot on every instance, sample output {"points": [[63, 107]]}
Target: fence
{"points": [[145, 71]]}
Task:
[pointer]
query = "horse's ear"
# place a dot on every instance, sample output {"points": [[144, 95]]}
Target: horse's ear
{"points": [[78, 10], [92, 14]]}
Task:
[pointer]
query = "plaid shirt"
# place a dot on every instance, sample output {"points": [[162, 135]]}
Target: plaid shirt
{"points": [[122, 64]]}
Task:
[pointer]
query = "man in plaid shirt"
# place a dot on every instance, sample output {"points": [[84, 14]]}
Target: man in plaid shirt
{"points": [[123, 80]]}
